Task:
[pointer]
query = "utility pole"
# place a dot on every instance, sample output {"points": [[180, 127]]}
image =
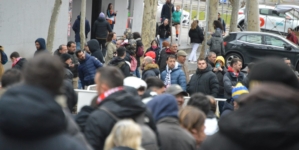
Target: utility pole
{"points": [[82, 24], [252, 19], [190, 20], [234, 15], [182, 17]]}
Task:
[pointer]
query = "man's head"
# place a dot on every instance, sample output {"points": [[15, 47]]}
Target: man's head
{"points": [[249, 67], [14, 56], [45, 71], [118, 43], [202, 64], [182, 57], [201, 102], [121, 52], [171, 59], [40, 44], [71, 46], [290, 30], [155, 85], [212, 57], [287, 61], [236, 64], [66, 58], [62, 49], [147, 60], [165, 22], [168, 1], [86, 48], [10, 77], [80, 55], [136, 83], [178, 92], [219, 15], [107, 78], [174, 47]]}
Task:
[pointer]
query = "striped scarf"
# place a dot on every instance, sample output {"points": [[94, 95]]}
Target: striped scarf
{"points": [[167, 80]]}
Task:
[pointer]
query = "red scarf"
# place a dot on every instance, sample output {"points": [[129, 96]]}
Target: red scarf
{"points": [[16, 61], [109, 92]]}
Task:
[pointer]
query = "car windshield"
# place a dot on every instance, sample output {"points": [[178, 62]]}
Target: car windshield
{"points": [[294, 14]]}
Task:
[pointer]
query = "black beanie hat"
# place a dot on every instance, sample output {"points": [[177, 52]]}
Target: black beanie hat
{"points": [[65, 57], [273, 70]]}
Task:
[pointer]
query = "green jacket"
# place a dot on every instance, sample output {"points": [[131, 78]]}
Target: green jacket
{"points": [[176, 16]]}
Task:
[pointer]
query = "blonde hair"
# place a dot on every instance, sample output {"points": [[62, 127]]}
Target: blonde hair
{"points": [[125, 133], [192, 118], [194, 24]]}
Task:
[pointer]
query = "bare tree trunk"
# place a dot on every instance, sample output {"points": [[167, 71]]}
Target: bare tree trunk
{"points": [[148, 31], [82, 24], [243, 3], [52, 26], [252, 19], [234, 15], [212, 15]]}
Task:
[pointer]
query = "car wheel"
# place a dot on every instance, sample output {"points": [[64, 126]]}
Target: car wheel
{"points": [[231, 56], [241, 26]]}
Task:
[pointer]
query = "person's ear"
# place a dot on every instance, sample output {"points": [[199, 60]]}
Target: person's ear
{"points": [[194, 131]]}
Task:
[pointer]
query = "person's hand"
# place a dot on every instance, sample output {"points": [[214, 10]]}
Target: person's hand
{"points": [[215, 69], [71, 65], [219, 68], [115, 12]]}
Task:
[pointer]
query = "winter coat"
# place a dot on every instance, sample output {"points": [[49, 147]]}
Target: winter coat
{"points": [[138, 44], [266, 119], [87, 70], [165, 13], [220, 76], [196, 35], [20, 64], [122, 65], [176, 16], [101, 28], [150, 70], [163, 58], [76, 28], [157, 52], [186, 71], [111, 49], [68, 75], [292, 37], [227, 108], [82, 116], [95, 50], [75, 61], [177, 76], [42, 48], [230, 80], [70, 94], [164, 31], [45, 122], [216, 44], [204, 81], [222, 23]]}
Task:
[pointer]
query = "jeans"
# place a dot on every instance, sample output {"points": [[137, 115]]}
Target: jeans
{"points": [[112, 26], [78, 46], [102, 43], [136, 73], [162, 40], [79, 84], [192, 56]]}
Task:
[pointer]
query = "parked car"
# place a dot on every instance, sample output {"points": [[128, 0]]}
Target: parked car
{"points": [[272, 20], [252, 46]]}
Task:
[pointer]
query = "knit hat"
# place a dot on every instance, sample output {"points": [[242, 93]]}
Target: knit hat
{"points": [[134, 82], [238, 90], [221, 59], [65, 57], [1, 48], [273, 70], [102, 15], [151, 54]]}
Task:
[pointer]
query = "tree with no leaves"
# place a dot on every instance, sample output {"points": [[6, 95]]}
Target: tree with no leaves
{"points": [[52, 26]]}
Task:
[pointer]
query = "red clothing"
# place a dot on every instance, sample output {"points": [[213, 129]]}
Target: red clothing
{"points": [[230, 69], [292, 37]]}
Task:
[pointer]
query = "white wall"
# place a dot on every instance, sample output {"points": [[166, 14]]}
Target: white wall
{"points": [[137, 15], [121, 19], [22, 22]]}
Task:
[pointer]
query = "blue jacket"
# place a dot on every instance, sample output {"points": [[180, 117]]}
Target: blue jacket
{"points": [[177, 76], [42, 43], [87, 70], [76, 28]]}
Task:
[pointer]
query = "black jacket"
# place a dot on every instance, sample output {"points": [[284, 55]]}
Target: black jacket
{"points": [[227, 108], [138, 44], [82, 116], [36, 122], [70, 94], [165, 12], [101, 28], [95, 50], [122, 65], [230, 80], [163, 58], [196, 35], [204, 81], [157, 52], [164, 31], [75, 61], [150, 70], [19, 65], [220, 76]]}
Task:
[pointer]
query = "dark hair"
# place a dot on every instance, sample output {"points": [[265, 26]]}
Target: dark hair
{"points": [[60, 46], [14, 54], [121, 51], [201, 102], [10, 77], [172, 56], [217, 24], [136, 35], [69, 43], [108, 8], [154, 82], [77, 52], [250, 65], [155, 42], [45, 71], [234, 60], [111, 76], [201, 59], [110, 36]]}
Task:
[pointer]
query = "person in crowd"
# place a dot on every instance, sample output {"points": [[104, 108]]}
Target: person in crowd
{"points": [[211, 59], [118, 138], [10, 78], [95, 50], [164, 31], [120, 62], [3, 60], [181, 60], [165, 112], [176, 18], [193, 120], [61, 50], [71, 47], [111, 14], [173, 74], [114, 99], [292, 36], [17, 61], [86, 48], [167, 10], [270, 108], [196, 37], [66, 59], [178, 92], [222, 22], [164, 54], [152, 55], [204, 80], [139, 51], [220, 71], [289, 63], [155, 86], [111, 47], [203, 103], [136, 83], [213, 104], [40, 96], [155, 48], [40, 45], [246, 80], [101, 28], [150, 68], [232, 77], [216, 41], [87, 68], [76, 29]]}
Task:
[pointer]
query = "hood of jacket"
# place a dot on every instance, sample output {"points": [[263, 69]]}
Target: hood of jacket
{"points": [[177, 66], [78, 17], [267, 118], [101, 19], [93, 45], [199, 71], [221, 59], [217, 33], [152, 66], [42, 43], [29, 112], [162, 106]]}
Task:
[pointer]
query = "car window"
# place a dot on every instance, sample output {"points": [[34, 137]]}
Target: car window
{"points": [[274, 41], [256, 39], [264, 11], [277, 14]]}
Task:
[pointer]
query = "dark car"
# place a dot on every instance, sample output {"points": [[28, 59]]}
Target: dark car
{"points": [[252, 46]]}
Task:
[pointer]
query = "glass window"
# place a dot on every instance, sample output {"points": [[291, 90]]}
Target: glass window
{"points": [[274, 41], [264, 12], [256, 39]]}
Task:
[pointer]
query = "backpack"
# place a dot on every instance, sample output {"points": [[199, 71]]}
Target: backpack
{"points": [[149, 139], [216, 44], [140, 51]]}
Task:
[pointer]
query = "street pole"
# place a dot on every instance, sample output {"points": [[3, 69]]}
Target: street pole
{"points": [[206, 27], [190, 19], [182, 17], [82, 24]]}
